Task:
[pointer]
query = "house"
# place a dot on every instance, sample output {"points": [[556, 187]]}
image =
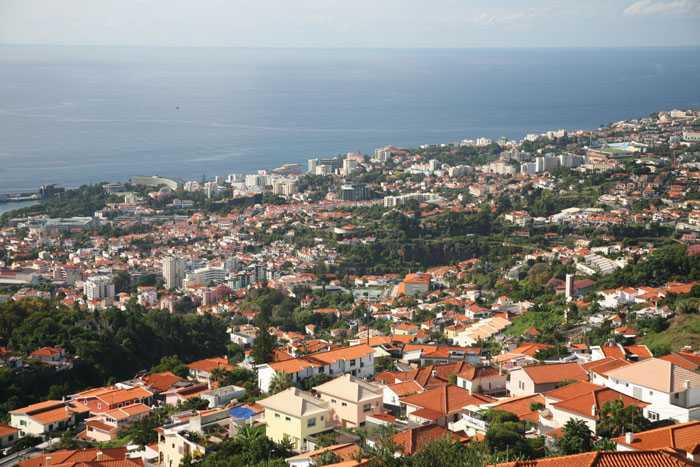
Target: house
{"points": [[404, 329], [357, 360], [586, 406], [427, 377], [187, 436], [158, 383], [49, 354], [392, 393], [482, 379], [474, 421], [536, 379], [660, 458], [53, 356], [344, 452], [295, 415], [201, 370], [442, 405], [687, 360], [684, 437], [423, 354], [613, 349], [672, 391], [108, 398], [414, 284], [106, 426], [8, 435], [45, 417], [350, 400], [413, 439], [86, 457], [242, 339]]}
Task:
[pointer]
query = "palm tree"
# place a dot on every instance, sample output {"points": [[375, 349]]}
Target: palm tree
{"points": [[217, 374], [247, 434], [616, 419], [279, 382]]}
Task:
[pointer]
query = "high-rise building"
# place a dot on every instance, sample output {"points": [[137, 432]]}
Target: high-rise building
{"points": [[354, 192], [173, 272], [98, 287]]}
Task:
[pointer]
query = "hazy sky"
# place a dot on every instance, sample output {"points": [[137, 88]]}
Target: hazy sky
{"points": [[351, 23]]}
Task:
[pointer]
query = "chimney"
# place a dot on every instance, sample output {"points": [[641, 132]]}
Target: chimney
{"points": [[99, 456], [48, 460], [593, 410], [629, 437], [686, 384]]}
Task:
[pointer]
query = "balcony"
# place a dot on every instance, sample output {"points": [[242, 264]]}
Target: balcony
{"points": [[475, 419]]}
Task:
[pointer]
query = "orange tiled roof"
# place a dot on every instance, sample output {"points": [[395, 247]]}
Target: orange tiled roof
{"points": [[413, 439], [555, 373], [683, 436], [446, 399], [597, 398], [609, 459], [86, 457]]}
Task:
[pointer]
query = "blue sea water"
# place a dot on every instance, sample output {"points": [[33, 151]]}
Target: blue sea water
{"points": [[79, 115]]}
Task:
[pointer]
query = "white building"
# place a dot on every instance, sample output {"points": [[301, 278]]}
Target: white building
{"points": [[98, 287], [672, 391], [173, 272]]}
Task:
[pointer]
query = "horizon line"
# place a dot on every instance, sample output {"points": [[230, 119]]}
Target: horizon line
{"points": [[282, 47]]}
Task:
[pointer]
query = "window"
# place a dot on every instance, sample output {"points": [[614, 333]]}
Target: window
{"points": [[352, 362], [344, 404], [277, 415], [653, 416], [23, 423], [333, 401], [119, 405], [99, 406], [367, 407], [287, 419], [311, 422], [11, 437], [651, 393]]}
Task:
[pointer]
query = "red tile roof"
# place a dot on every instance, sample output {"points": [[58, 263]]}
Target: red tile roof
{"points": [[555, 373], [413, 439], [446, 399], [610, 459], [683, 436]]}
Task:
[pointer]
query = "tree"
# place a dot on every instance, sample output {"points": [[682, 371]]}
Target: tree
{"points": [[122, 282], [25, 442], [279, 382], [264, 344], [383, 363], [327, 458], [576, 439], [615, 419], [194, 404], [173, 364], [143, 432], [247, 434]]}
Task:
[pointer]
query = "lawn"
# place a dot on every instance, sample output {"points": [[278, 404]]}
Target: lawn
{"points": [[683, 330]]}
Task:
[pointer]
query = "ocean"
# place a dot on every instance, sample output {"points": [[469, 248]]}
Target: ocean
{"points": [[75, 115]]}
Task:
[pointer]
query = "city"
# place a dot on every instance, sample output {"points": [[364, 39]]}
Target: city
{"points": [[478, 302]]}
